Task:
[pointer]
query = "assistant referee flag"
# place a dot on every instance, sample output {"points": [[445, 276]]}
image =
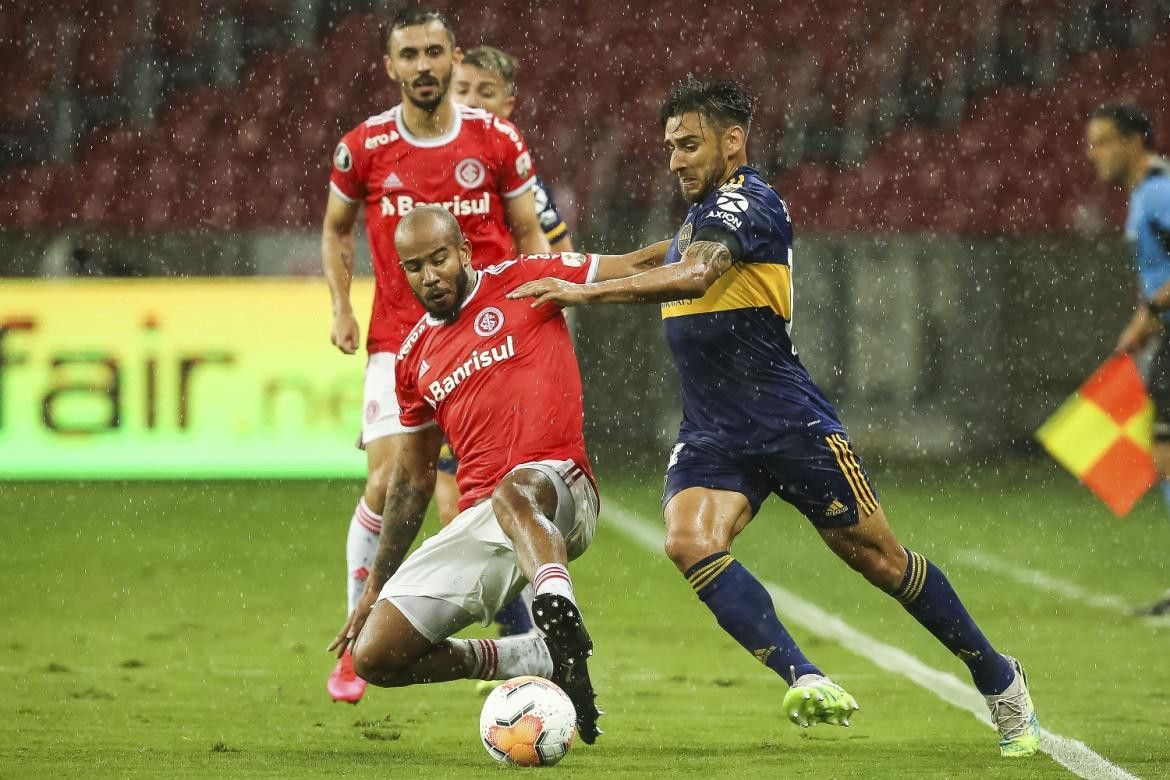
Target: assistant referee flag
{"points": [[1102, 434]]}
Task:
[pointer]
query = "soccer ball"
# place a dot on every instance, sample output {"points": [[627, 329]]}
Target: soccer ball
{"points": [[528, 721]]}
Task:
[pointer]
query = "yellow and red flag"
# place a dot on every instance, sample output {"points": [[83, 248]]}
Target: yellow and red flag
{"points": [[1102, 434]]}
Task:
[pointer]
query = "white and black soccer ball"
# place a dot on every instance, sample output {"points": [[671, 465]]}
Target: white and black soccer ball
{"points": [[528, 721]]}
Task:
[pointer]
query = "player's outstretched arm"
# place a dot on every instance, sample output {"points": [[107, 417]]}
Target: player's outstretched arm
{"points": [[621, 266], [337, 252], [702, 264], [524, 224], [411, 485]]}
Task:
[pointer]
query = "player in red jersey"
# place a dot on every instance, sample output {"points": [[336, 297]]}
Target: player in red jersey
{"points": [[425, 150], [486, 78], [501, 379]]}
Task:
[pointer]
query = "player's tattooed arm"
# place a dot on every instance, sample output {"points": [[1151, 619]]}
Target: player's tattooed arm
{"points": [[702, 264], [411, 485]]}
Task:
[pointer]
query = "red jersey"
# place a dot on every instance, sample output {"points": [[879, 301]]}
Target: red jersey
{"points": [[501, 380], [469, 171]]}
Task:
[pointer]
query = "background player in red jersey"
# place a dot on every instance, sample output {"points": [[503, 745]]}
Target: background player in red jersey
{"points": [[501, 379], [486, 78], [425, 150]]}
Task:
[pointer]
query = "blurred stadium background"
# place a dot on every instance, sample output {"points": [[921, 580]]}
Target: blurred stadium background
{"points": [[163, 173], [958, 269]]}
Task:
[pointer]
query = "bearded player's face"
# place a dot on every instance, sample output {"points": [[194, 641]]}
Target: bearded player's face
{"points": [[439, 272], [696, 155], [421, 60]]}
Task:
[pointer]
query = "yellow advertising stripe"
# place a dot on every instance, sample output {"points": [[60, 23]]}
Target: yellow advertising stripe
{"points": [[710, 576], [698, 574], [745, 286], [861, 480], [864, 500]]}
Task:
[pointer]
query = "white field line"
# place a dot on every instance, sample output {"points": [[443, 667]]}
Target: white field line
{"points": [[1072, 754], [1041, 581]]}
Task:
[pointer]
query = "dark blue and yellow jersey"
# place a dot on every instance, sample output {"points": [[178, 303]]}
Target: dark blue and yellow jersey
{"points": [[743, 386], [546, 211]]}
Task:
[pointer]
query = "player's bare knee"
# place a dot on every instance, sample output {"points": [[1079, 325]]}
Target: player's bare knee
{"points": [[882, 568], [686, 548], [381, 663]]}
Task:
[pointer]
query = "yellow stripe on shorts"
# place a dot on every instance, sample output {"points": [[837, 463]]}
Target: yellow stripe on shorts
{"points": [[866, 500]]}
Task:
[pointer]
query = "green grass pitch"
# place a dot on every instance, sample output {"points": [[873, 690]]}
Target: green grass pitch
{"points": [[179, 630]]}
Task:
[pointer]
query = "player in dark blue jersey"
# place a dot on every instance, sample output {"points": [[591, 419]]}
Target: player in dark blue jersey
{"points": [[754, 423], [1120, 144]]}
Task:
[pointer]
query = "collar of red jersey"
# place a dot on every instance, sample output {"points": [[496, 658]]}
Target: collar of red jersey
{"points": [[441, 140], [478, 278]]}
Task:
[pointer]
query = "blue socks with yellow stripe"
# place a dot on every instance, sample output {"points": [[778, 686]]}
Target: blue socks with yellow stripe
{"points": [[744, 609], [926, 594]]}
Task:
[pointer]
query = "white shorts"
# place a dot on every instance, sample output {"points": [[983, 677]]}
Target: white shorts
{"points": [[380, 412], [468, 570]]}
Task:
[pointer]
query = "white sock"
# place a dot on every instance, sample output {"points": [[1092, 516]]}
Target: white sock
{"points": [[554, 578], [503, 659], [360, 546]]}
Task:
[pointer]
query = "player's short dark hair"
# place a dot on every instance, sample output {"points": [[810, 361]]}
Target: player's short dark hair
{"points": [[1129, 121], [723, 101], [492, 59], [414, 15]]}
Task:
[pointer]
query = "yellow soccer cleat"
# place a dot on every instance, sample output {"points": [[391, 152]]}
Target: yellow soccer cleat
{"points": [[815, 699]]}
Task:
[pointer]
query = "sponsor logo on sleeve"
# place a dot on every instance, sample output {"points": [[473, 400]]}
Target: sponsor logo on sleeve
{"points": [[342, 159], [488, 322], [524, 166], [509, 131], [470, 173], [573, 259], [732, 201]]}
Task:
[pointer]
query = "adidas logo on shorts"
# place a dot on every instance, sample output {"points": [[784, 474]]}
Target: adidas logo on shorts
{"points": [[836, 508]]}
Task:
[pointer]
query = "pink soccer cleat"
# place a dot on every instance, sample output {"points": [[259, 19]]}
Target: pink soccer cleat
{"points": [[343, 684]]}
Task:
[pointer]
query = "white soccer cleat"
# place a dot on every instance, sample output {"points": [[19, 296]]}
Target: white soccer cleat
{"points": [[1014, 715]]}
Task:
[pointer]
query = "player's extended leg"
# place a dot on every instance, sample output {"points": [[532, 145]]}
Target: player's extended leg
{"points": [[701, 524], [530, 508], [360, 546], [869, 547], [513, 618], [392, 652]]}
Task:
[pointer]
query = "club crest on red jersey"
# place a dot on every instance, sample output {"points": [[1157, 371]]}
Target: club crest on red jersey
{"points": [[470, 173], [489, 321]]}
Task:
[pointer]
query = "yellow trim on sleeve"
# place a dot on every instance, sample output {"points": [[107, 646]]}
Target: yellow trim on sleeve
{"points": [[743, 286]]}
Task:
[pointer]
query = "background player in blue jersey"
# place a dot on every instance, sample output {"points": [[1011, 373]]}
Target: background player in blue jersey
{"points": [[754, 423], [1120, 144]]}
